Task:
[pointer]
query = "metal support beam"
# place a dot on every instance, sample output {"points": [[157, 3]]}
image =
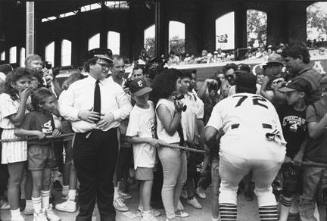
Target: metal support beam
{"points": [[158, 22], [30, 27], [161, 28]]}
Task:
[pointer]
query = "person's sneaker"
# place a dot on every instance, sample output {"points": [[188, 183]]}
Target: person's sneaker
{"points": [[120, 205], [4, 205], [201, 193], [148, 217], [125, 196], [67, 206], [17, 217], [154, 212], [51, 215], [39, 217], [194, 202], [28, 211], [182, 214]]}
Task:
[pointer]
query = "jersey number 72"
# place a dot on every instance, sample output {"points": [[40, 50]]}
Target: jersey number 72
{"points": [[256, 100]]}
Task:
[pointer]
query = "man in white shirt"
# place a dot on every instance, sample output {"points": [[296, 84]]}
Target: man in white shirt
{"points": [[252, 140], [95, 106]]}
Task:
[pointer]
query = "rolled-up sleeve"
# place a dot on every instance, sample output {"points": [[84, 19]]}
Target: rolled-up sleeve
{"points": [[66, 105], [124, 105]]}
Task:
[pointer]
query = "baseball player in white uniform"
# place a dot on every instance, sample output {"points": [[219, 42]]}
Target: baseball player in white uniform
{"points": [[252, 141]]}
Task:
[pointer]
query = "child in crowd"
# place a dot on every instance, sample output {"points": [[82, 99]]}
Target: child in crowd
{"points": [[13, 103], [39, 123], [292, 117], [315, 177], [141, 133]]}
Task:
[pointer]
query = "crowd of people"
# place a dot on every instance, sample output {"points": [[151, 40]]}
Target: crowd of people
{"points": [[102, 129], [220, 56]]}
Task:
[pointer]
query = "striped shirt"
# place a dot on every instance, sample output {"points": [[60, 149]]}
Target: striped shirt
{"points": [[11, 151]]}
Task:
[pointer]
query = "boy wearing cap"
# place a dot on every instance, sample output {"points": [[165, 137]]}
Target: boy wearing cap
{"points": [[141, 133], [292, 116], [314, 177]]}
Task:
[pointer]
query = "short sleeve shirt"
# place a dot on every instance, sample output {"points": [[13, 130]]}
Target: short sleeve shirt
{"points": [[242, 118], [39, 121], [142, 124], [8, 107], [294, 128]]}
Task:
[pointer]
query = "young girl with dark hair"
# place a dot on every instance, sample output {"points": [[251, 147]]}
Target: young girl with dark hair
{"points": [[13, 107], [165, 90]]}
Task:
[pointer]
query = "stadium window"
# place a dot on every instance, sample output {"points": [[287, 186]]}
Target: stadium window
{"points": [[149, 40], [51, 18], [256, 28], [64, 15], [66, 52], [50, 53], [94, 41], [225, 31], [22, 57], [177, 37], [114, 42], [3, 56], [90, 7], [316, 25], [117, 4], [13, 55]]}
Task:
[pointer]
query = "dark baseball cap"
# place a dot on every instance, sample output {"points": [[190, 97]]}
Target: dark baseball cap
{"points": [[299, 84], [138, 87], [101, 53], [245, 79]]}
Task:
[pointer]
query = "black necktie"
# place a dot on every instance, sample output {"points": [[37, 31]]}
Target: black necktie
{"points": [[97, 98]]}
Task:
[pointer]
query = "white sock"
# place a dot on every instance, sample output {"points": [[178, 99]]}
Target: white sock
{"points": [[214, 219], [72, 195], [45, 199], [15, 212], [65, 190], [37, 204]]}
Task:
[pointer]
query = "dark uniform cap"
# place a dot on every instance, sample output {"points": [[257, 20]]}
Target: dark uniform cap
{"points": [[101, 53]]}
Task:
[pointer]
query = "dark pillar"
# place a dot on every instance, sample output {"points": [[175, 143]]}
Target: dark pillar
{"points": [[277, 28], [207, 28], [137, 17], [79, 40], [103, 31], [2, 29], [76, 41], [240, 30], [57, 51], [161, 27], [297, 21], [195, 33]]}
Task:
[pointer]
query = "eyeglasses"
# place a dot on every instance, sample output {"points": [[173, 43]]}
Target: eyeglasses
{"points": [[103, 65]]}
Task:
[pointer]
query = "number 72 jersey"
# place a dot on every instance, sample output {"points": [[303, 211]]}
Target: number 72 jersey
{"points": [[246, 120]]}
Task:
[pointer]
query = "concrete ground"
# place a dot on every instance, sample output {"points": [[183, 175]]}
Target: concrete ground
{"points": [[247, 211]]}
